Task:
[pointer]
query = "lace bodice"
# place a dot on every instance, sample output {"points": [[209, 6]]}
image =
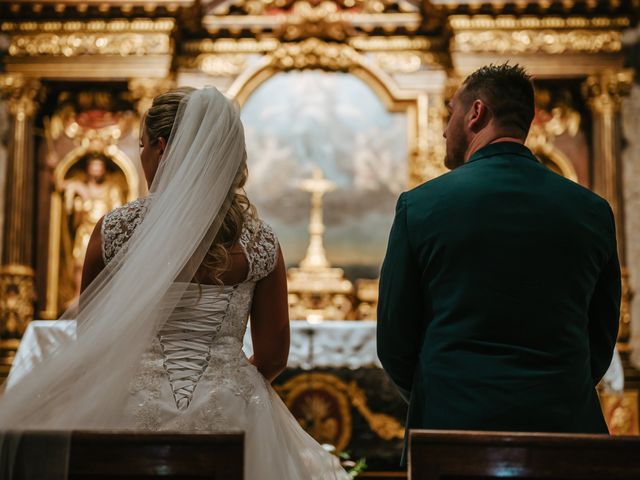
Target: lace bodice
{"points": [[257, 239], [209, 321], [119, 225]]}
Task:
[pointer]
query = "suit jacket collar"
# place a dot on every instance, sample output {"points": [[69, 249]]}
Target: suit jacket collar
{"points": [[503, 149]]}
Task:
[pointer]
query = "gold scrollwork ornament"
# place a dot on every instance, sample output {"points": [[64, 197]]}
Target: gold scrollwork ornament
{"points": [[224, 65], [21, 93], [605, 92], [320, 402], [538, 41], [314, 53], [75, 44], [17, 295]]}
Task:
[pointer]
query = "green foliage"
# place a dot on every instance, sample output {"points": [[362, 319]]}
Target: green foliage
{"points": [[354, 468]]}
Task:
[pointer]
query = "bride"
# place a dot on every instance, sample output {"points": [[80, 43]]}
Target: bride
{"points": [[169, 282]]}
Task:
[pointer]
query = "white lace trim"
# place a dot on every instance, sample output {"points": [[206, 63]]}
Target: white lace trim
{"points": [[118, 226], [261, 246]]}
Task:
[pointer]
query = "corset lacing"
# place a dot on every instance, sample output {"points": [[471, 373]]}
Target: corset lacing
{"points": [[187, 336]]}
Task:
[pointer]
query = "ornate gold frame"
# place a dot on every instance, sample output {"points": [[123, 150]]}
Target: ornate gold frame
{"points": [[53, 271], [424, 122]]}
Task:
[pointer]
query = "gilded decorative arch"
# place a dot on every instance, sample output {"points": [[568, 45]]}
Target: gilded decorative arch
{"points": [[122, 161], [424, 112]]}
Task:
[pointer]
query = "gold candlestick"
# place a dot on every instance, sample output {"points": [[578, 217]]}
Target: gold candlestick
{"points": [[316, 290]]}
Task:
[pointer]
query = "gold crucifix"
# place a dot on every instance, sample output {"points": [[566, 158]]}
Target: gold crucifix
{"points": [[316, 259]]}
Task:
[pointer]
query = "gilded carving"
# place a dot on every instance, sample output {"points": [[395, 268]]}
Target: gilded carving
{"points": [[604, 92], [510, 22], [262, 7], [74, 38], [624, 334], [226, 57], [218, 64], [89, 44], [297, 20], [82, 8], [385, 426], [550, 122], [621, 412], [399, 43], [17, 295], [399, 62], [321, 20], [430, 149], [367, 296], [17, 289], [141, 25], [321, 402], [538, 41], [241, 45], [21, 93], [314, 53]]}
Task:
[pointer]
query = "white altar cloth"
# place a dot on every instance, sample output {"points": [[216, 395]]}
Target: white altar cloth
{"points": [[350, 344]]}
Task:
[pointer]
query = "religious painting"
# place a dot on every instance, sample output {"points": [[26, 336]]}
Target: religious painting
{"points": [[297, 122]]}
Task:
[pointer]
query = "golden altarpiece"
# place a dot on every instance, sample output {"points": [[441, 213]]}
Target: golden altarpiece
{"points": [[77, 75]]}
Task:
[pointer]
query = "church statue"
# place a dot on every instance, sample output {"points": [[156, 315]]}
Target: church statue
{"points": [[87, 199]]}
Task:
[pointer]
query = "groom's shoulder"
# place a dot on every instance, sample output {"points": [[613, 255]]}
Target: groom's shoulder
{"points": [[436, 185]]}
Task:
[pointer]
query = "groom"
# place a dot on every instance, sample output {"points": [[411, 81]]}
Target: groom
{"points": [[500, 291]]}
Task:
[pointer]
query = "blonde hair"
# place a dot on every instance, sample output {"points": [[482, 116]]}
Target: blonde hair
{"points": [[158, 123]]}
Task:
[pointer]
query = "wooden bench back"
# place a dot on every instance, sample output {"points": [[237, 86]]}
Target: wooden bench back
{"points": [[126, 455], [457, 455]]}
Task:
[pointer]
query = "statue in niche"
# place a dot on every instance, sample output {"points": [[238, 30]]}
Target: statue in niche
{"points": [[88, 196]]}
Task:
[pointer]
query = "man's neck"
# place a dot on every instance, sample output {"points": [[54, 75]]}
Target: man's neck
{"points": [[481, 141]]}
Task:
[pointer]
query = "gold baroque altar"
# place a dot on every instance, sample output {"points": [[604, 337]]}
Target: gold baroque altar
{"points": [[78, 75]]}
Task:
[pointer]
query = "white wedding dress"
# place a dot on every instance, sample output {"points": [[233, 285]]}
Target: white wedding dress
{"points": [[195, 377]]}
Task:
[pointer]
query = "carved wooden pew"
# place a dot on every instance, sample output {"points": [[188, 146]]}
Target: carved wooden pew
{"points": [[96, 455], [458, 455]]}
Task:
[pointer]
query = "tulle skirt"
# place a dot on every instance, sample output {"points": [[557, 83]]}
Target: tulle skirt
{"points": [[232, 396]]}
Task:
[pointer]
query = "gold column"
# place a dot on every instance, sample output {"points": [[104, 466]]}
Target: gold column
{"points": [[604, 95], [17, 289]]}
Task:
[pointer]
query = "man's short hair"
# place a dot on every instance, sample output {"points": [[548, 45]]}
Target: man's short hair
{"points": [[508, 92]]}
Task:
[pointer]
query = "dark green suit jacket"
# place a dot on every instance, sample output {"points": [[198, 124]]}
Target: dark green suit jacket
{"points": [[500, 297]]}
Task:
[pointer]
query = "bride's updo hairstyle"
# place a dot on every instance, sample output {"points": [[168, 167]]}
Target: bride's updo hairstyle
{"points": [[158, 122]]}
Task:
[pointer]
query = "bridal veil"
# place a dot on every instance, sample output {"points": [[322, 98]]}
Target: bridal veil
{"points": [[84, 384]]}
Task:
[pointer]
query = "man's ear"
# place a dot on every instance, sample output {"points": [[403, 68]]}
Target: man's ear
{"points": [[478, 115]]}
